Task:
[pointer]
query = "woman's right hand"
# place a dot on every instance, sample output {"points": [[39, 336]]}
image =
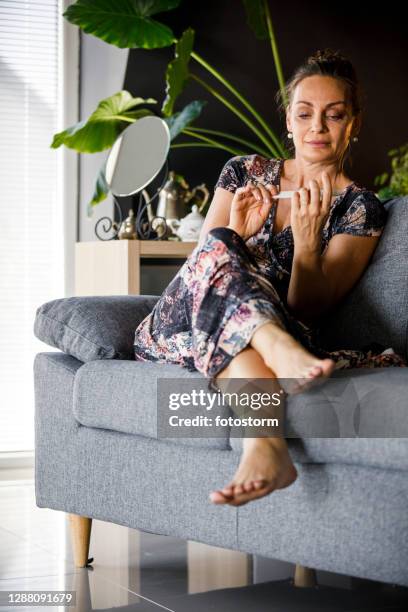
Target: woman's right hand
{"points": [[250, 208]]}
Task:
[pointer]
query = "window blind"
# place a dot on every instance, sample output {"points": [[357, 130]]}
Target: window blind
{"points": [[31, 215]]}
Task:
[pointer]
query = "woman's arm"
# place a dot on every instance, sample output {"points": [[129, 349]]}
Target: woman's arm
{"points": [[218, 214], [319, 281]]}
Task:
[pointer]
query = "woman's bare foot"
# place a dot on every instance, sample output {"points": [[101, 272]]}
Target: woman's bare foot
{"points": [[289, 360], [265, 466]]}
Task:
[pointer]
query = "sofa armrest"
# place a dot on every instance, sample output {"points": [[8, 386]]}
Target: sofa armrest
{"points": [[93, 327]]}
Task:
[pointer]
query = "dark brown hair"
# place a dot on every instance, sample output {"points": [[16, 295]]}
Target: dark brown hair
{"points": [[326, 62]]}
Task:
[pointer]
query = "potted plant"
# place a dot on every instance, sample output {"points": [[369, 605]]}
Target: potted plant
{"points": [[130, 24]]}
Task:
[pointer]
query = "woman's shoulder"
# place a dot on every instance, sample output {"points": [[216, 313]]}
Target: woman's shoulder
{"points": [[360, 212], [364, 192], [240, 169], [255, 164], [365, 197]]}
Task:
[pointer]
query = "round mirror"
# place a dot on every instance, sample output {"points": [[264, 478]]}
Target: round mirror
{"points": [[137, 156]]}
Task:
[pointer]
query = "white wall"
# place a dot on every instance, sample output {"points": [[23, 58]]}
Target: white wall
{"points": [[68, 168], [103, 69]]}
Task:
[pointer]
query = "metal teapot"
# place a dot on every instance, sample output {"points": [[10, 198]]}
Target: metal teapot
{"points": [[127, 230], [174, 200]]}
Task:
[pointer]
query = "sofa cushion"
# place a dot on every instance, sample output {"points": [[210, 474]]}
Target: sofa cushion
{"points": [[322, 425], [356, 416], [93, 327], [122, 396], [376, 310]]}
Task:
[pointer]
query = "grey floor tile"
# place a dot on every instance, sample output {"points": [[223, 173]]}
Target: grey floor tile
{"points": [[134, 570], [20, 515], [20, 558], [92, 593], [282, 596]]}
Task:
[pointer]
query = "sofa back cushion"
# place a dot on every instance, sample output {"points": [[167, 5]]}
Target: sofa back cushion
{"points": [[376, 310], [93, 327]]}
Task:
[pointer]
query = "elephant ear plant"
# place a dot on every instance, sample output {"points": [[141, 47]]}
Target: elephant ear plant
{"points": [[131, 24]]}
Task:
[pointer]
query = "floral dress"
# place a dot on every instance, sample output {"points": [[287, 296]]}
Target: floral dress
{"points": [[227, 288]]}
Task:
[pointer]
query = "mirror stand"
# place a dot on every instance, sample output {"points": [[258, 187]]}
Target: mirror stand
{"points": [[143, 232]]}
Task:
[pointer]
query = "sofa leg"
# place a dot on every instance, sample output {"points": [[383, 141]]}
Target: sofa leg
{"points": [[305, 576], [80, 527]]}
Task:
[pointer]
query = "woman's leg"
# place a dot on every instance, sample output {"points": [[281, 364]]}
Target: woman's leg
{"points": [[289, 359], [265, 463]]}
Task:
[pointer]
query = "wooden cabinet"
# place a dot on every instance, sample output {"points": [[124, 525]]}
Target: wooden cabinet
{"points": [[112, 267]]}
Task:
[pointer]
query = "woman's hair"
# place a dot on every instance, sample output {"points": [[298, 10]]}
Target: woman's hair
{"points": [[331, 63]]}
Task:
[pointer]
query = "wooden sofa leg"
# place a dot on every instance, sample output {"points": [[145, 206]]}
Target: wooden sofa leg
{"points": [[305, 576], [80, 527]]}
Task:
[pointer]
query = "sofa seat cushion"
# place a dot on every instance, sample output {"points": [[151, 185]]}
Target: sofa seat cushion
{"points": [[357, 416], [121, 396], [93, 327]]}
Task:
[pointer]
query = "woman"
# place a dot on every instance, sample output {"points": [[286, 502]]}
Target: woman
{"points": [[244, 303]]}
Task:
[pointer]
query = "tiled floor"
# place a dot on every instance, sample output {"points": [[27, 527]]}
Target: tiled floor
{"points": [[136, 571]]}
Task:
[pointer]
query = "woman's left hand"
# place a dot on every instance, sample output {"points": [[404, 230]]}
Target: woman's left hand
{"points": [[309, 213]]}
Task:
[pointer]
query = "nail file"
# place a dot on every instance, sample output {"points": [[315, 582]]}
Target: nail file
{"points": [[289, 194]]}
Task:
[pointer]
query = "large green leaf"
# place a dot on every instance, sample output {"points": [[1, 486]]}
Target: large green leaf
{"points": [[256, 19], [124, 23], [105, 124], [177, 71], [179, 121], [101, 190]]}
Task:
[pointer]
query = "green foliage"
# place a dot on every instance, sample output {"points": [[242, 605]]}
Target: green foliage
{"points": [[177, 71], [256, 18], [130, 24], [105, 124], [101, 190], [394, 183], [124, 23], [181, 120]]}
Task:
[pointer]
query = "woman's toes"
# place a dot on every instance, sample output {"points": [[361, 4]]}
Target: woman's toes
{"points": [[228, 490], [256, 493], [258, 484], [242, 498], [238, 489], [218, 498], [315, 371], [327, 365], [248, 486]]}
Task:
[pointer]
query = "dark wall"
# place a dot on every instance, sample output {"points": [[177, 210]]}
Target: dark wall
{"points": [[374, 40]]}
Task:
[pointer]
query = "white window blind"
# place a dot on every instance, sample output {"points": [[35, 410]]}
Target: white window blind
{"points": [[31, 215]]}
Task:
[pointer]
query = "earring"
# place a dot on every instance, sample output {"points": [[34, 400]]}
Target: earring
{"points": [[355, 139], [290, 135]]}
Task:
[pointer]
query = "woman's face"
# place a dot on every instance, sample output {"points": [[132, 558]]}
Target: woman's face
{"points": [[313, 116]]}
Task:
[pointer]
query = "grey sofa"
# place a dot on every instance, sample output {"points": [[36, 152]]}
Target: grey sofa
{"points": [[98, 455]]}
